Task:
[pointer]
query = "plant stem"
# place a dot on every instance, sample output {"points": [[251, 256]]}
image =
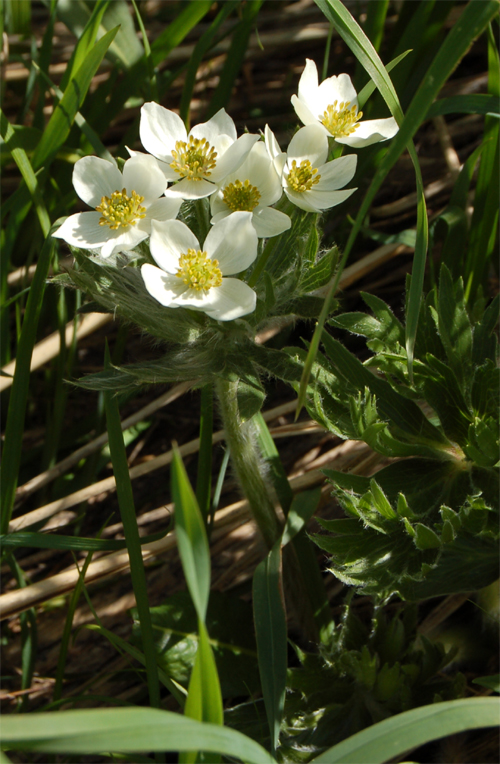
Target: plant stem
{"points": [[246, 462]]}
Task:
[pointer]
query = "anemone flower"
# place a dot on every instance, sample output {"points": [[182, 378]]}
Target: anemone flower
{"points": [[253, 187], [125, 204], [190, 276], [197, 161], [308, 180], [333, 106]]}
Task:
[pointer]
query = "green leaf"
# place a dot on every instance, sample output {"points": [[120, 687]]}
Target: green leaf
{"points": [[235, 56], [204, 700], [191, 537], [465, 104], [491, 682], [403, 413], [230, 626], [176, 31], [13, 440], [63, 116], [131, 531], [270, 630], [454, 326], [126, 730], [425, 538], [393, 737]]}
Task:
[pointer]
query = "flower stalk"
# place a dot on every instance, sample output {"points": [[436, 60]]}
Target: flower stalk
{"points": [[246, 462]]}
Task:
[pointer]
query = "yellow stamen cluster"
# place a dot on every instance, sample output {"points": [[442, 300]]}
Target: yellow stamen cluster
{"points": [[340, 120], [303, 178], [198, 271], [241, 196], [195, 159], [121, 210]]}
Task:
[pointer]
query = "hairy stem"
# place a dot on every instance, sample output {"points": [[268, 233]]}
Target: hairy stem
{"points": [[246, 462]]}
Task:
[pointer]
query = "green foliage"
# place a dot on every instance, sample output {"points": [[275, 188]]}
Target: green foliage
{"points": [[361, 675], [229, 623], [427, 525]]}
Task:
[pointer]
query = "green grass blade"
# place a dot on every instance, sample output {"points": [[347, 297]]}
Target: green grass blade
{"points": [[204, 700], [272, 457], [122, 646], [316, 338], [472, 22], [153, 85], [392, 737], [174, 34], [19, 393], [202, 46], [63, 116], [484, 225], [204, 471], [191, 537], [128, 730], [127, 511], [234, 57], [98, 146], [68, 625], [21, 159], [18, 16], [466, 104], [270, 632], [85, 43]]}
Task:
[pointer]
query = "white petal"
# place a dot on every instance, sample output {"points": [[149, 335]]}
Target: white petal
{"points": [[301, 200], [231, 300], [304, 113], [308, 82], [83, 230], [165, 208], [126, 239], [260, 171], [170, 239], [338, 173], [161, 286], [159, 129], [270, 222], [233, 157], [323, 200], [94, 178], [191, 189], [233, 242], [338, 89], [371, 131], [142, 174], [308, 143], [220, 124]]}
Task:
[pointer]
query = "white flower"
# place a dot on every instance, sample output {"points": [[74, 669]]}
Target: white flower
{"points": [[307, 181], [334, 106], [199, 160], [125, 203], [253, 187], [192, 277]]}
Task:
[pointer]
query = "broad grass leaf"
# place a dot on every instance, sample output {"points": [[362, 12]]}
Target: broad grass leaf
{"points": [[392, 737]]}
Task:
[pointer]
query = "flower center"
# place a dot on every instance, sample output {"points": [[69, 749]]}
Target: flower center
{"points": [[121, 210], [198, 271], [195, 159], [340, 120], [241, 196], [303, 178]]}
